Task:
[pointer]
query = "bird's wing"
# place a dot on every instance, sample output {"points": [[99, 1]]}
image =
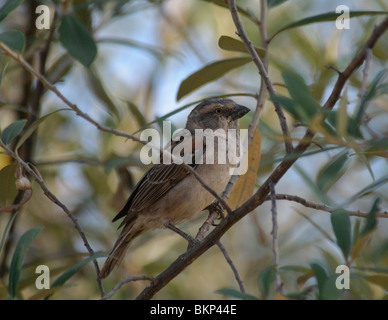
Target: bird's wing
{"points": [[154, 185]]}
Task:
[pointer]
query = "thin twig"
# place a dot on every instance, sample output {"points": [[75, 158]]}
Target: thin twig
{"points": [[262, 70], [260, 98], [14, 207], [180, 232], [122, 282], [54, 199], [322, 207], [232, 266], [206, 225], [275, 242]]}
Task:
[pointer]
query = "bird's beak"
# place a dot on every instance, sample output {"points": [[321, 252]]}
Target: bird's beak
{"points": [[239, 111]]}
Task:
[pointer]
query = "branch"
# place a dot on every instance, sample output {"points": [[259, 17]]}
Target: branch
{"points": [[37, 177], [259, 197], [262, 70], [19, 58], [232, 266], [214, 212], [193, 241], [122, 282], [322, 207], [31, 97], [275, 243], [260, 98]]}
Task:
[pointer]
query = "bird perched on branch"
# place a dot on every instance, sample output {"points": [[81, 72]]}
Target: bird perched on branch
{"points": [[169, 193]]}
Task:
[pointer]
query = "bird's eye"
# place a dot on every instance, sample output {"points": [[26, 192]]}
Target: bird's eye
{"points": [[218, 110]]}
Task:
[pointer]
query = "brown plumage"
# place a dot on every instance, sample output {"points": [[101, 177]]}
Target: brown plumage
{"points": [[168, 193]]}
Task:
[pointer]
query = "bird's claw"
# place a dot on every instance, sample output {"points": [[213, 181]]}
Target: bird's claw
{"points": [[216, 207]]}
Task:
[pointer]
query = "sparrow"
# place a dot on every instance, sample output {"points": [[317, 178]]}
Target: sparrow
{"points": [[169, 193]]}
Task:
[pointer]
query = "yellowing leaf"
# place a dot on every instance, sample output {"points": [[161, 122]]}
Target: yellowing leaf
{"points": [[301, 280], [3, 291], [359, 245], [281, 297], [342, 121], [379, 279], [43, 293], [230, 44], [246, 183], [5, 159]]}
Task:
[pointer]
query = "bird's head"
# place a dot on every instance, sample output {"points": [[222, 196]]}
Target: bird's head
{"points": [[216, 113]]}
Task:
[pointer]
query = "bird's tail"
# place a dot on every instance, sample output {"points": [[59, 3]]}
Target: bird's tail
{"points": [[117, 254]]}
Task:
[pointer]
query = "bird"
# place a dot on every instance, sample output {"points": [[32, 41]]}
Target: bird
{"points": [[168, 194]]}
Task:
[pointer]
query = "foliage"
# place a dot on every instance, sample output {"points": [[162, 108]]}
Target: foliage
{"points": [[131, 64]]}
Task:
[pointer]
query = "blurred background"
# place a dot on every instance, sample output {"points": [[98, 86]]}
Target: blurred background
{"points": [[145, 49]]}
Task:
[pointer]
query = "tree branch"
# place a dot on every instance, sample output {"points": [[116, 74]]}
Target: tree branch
{"points": [[261, 68], [19, 58], [232, 266], [259, 197], [322, 207], [55, 200], [275, 242], [122, 282]]}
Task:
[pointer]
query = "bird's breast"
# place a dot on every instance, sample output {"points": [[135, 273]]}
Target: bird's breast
{"points": [[188, 197]]}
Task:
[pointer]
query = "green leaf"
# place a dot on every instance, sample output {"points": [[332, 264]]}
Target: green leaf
{"points": [[332, 171], [305, 104], [340, 221], [369, 95], [77, 40], [265, 279], [320, 275], [30, 130], [233, 293], [312, 185], [368, 189], [8, 7], [18, 257], [371, 220], [14, 39], [231, 44], [275, 3], [61, 280], [329, 16], [6, 230], [99, 91], [74, 269], [2, 73], [288, 104], [208, 74], [338, 118], [136, 113], [329, 290], [12, 131]]}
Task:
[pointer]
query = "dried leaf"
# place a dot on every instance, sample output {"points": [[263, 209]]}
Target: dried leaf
{"points": [[246, 183]]}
